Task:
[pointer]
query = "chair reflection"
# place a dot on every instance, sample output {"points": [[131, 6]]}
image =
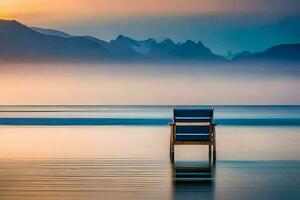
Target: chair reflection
{"points": [[193, 181]]}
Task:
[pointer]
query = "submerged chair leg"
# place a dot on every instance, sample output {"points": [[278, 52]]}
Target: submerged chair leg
{"points": [[209, 155]]}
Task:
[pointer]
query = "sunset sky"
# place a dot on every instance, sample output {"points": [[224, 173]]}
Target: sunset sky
{"points": [[222, 25]]}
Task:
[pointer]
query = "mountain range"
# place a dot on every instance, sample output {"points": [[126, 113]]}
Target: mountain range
{"points": [[19, 42]]}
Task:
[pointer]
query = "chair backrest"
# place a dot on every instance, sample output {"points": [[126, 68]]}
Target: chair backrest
{"points": [[193, 124], [193, 115]]}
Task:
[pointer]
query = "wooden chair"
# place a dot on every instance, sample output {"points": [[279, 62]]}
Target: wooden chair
{"points": [[193, 127]]}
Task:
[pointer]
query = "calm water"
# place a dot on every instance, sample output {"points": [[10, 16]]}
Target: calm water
{"points": [[121, 152]]}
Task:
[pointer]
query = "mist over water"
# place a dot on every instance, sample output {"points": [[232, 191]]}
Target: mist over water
{"points": [[121, 84]]}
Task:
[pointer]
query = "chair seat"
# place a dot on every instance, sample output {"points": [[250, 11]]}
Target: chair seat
{"points": [[192, 137]]}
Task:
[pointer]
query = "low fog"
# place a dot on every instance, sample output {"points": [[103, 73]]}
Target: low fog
{"points": [[111, 84]]}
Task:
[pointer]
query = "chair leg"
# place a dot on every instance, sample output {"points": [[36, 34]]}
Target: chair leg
{"points": [[215, 146], [172, 154], [214, 152], [171, 148]]}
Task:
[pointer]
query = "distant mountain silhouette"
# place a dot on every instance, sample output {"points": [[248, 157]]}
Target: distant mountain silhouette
{"points": [[284, 52], [281, 52], [242, 55], [21, 43], [229, 55], [167, 49], [114, 50], [18, 42], [51, 32]]}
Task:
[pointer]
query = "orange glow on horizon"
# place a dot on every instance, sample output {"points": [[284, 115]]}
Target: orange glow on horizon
{"points": [[64, 9], [33, 11]]}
